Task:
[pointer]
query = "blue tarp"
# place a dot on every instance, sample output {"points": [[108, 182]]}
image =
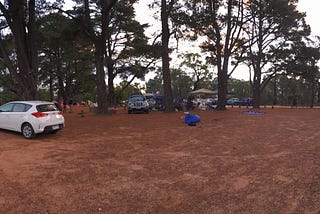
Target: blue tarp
{"points": [[191, 119], [252, 112]]}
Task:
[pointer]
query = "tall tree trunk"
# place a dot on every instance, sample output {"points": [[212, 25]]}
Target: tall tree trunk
{"points": [[24, 34], [32, 47], [99, 42], [318, 92], [111, 97], [256, 89], [60, 76], [165, 57], [312, 94], [101, 83], [223, 55], [51, 94], [257, 66], [222, 89], [275, 92]]}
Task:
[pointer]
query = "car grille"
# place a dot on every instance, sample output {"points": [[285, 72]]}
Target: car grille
{"points": [[139, 104]]}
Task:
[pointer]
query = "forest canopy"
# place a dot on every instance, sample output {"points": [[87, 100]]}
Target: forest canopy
{"points": [[97, 50]]}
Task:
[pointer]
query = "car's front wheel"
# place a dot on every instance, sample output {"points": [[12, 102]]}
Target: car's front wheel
{"points": [[27, 131]]}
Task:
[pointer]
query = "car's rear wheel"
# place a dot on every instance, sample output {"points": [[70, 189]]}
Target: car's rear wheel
{"points": [[27, 131]]}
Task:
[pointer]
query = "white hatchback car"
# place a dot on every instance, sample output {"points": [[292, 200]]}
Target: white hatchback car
{"points": [[31, 117]]}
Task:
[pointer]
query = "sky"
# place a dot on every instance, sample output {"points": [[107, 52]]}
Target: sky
{"points": [[311, 7]]}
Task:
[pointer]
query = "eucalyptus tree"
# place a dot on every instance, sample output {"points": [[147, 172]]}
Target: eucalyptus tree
{"points": [[291, 90], [195, 67], [155, 84], [18, 18], [120, 47], [128, 54], [8, 79], [125, 90], [181, 83], [220, 24], [270, 27], [172, 13], [299, 61], [65, 60], [241, 88], [93, 16], [302, 60], [166, 9]]}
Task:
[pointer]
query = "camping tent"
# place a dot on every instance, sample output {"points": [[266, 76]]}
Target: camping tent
{"points": [[202, 91]]}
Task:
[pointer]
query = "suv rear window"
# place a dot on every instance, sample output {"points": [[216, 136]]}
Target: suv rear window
{"points": [[46, 107], [136, 98]]}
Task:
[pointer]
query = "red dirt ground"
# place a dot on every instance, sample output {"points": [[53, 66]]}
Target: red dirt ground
{"points": [[154, 163]]}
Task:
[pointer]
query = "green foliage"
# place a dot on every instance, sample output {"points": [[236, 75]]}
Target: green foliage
{"points": [[241, 88], [123, 93], [181, 83], [155, 85], [128, 47], [127, 54], [287, 89], [19, 58], [195, 67], [271, 26], [66, 60], [301, 60], [7, 95]]}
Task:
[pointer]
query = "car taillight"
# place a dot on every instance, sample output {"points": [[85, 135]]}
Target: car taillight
{"points": [[39, 114]]}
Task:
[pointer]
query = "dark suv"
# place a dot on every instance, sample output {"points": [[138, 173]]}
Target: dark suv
{"points": [[138, 103]]}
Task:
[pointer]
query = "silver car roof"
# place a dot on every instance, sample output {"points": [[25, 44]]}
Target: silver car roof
{"points": [[32, 102]]}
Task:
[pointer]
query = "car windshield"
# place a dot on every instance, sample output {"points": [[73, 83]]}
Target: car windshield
{"points": [[46, 107], [136, 98]]}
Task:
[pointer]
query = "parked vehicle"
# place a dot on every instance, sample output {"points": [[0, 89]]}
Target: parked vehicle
{"points": [[244, 102], [31, 117], [151, 100], [233, 101], [211, 101], [138, 103], [247, 102], [160, 102]]}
